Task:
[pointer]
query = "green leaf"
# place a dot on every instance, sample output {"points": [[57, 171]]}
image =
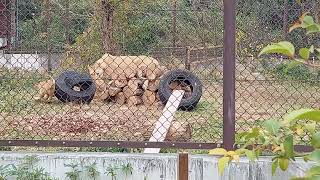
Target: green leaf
{"points": [[314, 156], [250, 155], [253, 134], [318, 50], [274, 166], [311, 49], [314, 28], [241, 135], [315, 170], [218, 151], [307, 21], [311, 127], [283, 163], [272, 126], [285, 48], [315, 140], [298, 24], [222, 163], [302, 114], [288, 146], [304, 53], [257, 153]]}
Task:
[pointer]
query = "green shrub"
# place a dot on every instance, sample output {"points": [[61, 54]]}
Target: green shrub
{"points": [[293, 72]]}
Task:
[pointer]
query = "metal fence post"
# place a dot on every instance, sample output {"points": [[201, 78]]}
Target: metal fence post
{"points": [[229, 75], [183, 166]]}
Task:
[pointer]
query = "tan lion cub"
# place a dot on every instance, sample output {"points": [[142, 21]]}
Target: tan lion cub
{"points": [[45, 90]]}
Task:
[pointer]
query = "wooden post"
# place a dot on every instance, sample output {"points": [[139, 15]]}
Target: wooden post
{"points": [[183, 167], [163, 124], [187, 61], [107, 26]]}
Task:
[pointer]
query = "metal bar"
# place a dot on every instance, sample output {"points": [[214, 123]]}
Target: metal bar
{"points": [[297, 148], [8, 20], [229, 75], [183, 167], [303, 148], [123, 144]]}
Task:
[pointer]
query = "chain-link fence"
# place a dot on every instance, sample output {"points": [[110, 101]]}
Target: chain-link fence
{"points": [[100, 73]]}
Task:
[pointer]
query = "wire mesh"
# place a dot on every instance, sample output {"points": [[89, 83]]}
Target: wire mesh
{"points": [[58, 55], [268, 87], [92, 71]]}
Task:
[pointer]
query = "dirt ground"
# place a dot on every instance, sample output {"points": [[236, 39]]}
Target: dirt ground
{"points": [[256, 100]]}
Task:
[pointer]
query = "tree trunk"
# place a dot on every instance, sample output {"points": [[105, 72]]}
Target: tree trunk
{"points": [[66, 21], [285, 18], [174, 24], [107, 26], [316, 10], [47, 31]]}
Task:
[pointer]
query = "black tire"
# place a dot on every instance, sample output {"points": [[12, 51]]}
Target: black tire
{"points": [[65, 83], [187, 103], [62, 83]]}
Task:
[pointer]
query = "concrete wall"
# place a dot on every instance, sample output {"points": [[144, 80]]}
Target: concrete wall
{"points": [[29, 61], [155, 166]]}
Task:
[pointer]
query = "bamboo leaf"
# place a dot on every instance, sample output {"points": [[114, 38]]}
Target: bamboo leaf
{"points": [[274, 166], [272, 126], [222, 163], [302, 114], [288, 146], [285, 48], [218, 152], [283, 163], [304, 53]]}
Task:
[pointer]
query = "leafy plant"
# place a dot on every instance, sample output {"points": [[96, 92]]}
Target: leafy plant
{"points": [[111, 171], [277, 138], [25, 171], [287, 48], [127, 169], [92, 171], [74, 174]]}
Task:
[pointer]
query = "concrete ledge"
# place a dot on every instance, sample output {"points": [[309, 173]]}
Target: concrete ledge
{"points": [[155, 166]]}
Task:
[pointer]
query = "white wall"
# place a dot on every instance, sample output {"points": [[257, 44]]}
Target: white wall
{"points": [[156, 166]]}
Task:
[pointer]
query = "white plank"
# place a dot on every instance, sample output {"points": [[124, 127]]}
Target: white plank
{"points": [[164, 122]]}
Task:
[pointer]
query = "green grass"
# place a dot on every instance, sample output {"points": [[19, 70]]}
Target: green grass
{"points": [[206, 122]]}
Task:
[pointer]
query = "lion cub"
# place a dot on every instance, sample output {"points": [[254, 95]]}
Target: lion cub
{"points": [[45, 90]]}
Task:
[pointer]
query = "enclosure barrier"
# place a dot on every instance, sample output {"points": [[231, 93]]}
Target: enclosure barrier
{"points": [[83, 74]]}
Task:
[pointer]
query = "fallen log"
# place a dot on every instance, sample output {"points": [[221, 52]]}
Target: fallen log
{"points": [[154, 85], [149, 97], [120, 98], [134, 100], [113, 91], [128, 92]]}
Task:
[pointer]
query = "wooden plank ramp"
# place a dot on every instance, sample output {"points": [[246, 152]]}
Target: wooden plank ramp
{"points": [[164, 122]]}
